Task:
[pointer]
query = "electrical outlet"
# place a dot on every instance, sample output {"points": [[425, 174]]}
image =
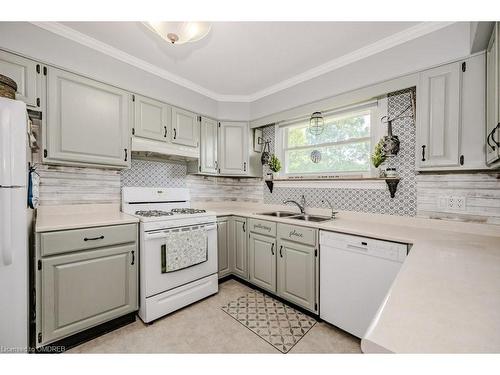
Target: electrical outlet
{"points": [[452, 203]]}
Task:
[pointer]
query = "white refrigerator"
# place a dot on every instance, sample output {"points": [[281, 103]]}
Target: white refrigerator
{"points": [[14, 227]]}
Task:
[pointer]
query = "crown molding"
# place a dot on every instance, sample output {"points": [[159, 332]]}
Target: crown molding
{"points": [[381, 45]]}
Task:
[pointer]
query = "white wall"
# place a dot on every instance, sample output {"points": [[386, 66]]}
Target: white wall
{"points": [[452, 42], [32, 41]]}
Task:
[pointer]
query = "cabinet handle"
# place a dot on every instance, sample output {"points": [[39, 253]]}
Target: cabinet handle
{"points": [[165, 134], [488, 139], [272, 248], [175, 133], [281, 251], [493, 135], [126, 154], [133, 258], [93, 238], [244, 226], [423, 152], [216, 165], [244, 166]]}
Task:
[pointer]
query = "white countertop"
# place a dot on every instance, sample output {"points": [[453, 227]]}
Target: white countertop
{"points": [[445, 299], [63, 217]]}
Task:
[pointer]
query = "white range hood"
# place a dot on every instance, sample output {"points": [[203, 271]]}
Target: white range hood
{"points": [[145, 148]]}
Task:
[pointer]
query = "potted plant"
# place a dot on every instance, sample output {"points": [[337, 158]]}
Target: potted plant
{"points": [[275, 165], [379, 156]]}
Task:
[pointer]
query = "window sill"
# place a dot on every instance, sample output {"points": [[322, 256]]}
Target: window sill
{"points": [[372, 183]]}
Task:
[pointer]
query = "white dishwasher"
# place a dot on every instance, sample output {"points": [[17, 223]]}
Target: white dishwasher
{"points": [[355, 276]]}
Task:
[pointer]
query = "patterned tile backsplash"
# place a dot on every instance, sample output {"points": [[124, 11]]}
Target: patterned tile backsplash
{"points": [[366, 200]]}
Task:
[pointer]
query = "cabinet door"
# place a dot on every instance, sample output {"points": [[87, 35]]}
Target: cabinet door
{"points": [[84, 289], [87, 122], [239, 242], [151, 118], [492, 97], [233, 148], [438, 128], [262, 259], [296, 273], [223, 243], [208, 146], [185, 128], [26, 73]]}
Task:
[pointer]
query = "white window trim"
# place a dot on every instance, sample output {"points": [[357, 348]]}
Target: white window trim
{"points": [[377, 130]]}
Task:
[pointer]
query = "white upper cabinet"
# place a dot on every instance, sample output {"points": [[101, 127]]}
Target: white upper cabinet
{"points": [[87, 122], [151, 118], [451, 104], [208, 146], [492, 97], [233, 148], [185, 128], [26, 73], [438, 129]]}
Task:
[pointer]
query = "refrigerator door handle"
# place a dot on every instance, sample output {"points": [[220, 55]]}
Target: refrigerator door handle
{"points": [[6, 240], [5, 155]]}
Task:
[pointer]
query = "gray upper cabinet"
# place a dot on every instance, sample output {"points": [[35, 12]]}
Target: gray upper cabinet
{"points": [[240, 260], [26, 73], [83, 289], [185, 128], [233, 148], [151, 118], [223, 247], [87, 122], [262, 259], [438, 128], [296, 273], [493, 97], [208, 146]]}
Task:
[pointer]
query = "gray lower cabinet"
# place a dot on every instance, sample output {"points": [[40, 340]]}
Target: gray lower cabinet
{"points": [[84, 287], [239, 241], [223, 246], [87, 122], [262, 259], [296, 273]]}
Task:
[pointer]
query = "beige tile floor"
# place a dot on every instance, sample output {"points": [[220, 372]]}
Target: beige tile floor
{"points": [[204, 328]]}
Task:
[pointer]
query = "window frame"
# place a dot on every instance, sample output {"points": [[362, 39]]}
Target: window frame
{"points": [[376, 132]]}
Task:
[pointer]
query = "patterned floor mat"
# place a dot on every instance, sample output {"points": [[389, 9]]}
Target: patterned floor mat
{"points": [[280, 325]]}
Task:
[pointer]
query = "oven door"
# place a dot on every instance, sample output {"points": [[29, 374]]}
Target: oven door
{"points": [[156, 277]]}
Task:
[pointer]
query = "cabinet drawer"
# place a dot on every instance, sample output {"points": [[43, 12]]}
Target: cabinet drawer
{"points": [[297, 234], [267, 228], [88, 238]]}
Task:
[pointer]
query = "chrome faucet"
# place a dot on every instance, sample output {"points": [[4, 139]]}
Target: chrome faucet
{"points": [[301, 205], [332, 215]]}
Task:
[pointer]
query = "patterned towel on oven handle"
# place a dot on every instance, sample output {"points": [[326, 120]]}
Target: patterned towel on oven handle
{"points": [[184, 248]]}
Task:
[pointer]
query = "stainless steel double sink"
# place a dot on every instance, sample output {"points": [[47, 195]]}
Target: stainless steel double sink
{"points": [[296, 216]]}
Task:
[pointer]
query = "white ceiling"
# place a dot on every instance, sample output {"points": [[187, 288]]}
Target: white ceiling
{"points": [[243, 61]]}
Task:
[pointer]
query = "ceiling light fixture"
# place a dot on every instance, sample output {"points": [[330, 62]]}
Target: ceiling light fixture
{"points": [[179, 32], [316, 124]]}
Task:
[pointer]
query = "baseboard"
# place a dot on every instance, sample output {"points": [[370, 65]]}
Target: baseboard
{"points": [[66, 343]]}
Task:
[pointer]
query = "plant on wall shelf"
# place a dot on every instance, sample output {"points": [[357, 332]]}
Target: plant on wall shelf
{"points": [[274, 164], [378, 156]]}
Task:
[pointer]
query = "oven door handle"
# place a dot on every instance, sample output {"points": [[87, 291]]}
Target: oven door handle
{"points": [[153, 236]]}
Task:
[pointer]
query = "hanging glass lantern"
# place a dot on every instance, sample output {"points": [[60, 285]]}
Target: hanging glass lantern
{"points": [[316, 124], [316, 156]]}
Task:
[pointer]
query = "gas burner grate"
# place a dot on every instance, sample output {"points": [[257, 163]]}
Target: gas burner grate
{"points": [[187, 211], [153, 213]]}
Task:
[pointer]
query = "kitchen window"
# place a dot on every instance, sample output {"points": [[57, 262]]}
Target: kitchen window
{"points": [[343, 147]]}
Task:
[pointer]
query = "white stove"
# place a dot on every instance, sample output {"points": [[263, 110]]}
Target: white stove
{"points": [[178, 249]]}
